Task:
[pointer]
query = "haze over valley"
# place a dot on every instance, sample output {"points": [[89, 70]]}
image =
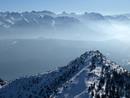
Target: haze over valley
{"points": [[40, 41]]}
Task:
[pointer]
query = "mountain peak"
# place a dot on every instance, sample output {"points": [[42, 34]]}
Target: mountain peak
{"points": [[91, 75], [92, 52]]}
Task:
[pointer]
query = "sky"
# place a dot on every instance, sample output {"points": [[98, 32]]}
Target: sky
{"points": [[79, 6]]}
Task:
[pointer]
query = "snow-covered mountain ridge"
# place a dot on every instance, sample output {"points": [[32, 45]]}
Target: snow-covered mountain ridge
{"points": [[91, 75], [50, 19], [48, 24]]}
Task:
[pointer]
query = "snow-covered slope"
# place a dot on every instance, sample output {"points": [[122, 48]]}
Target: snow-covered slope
{"points": [[91, 75], [2, 83]]}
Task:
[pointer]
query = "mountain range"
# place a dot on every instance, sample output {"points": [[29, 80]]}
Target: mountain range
{"points": [[91, 75], [15, 21]]}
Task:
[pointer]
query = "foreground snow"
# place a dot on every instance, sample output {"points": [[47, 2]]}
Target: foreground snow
{"points": [[89, 76]]}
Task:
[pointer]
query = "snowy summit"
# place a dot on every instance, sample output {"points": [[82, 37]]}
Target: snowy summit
{"points": [[91, 75]]}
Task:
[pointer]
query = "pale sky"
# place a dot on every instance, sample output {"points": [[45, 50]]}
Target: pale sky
{"points": [[79, 6]]}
